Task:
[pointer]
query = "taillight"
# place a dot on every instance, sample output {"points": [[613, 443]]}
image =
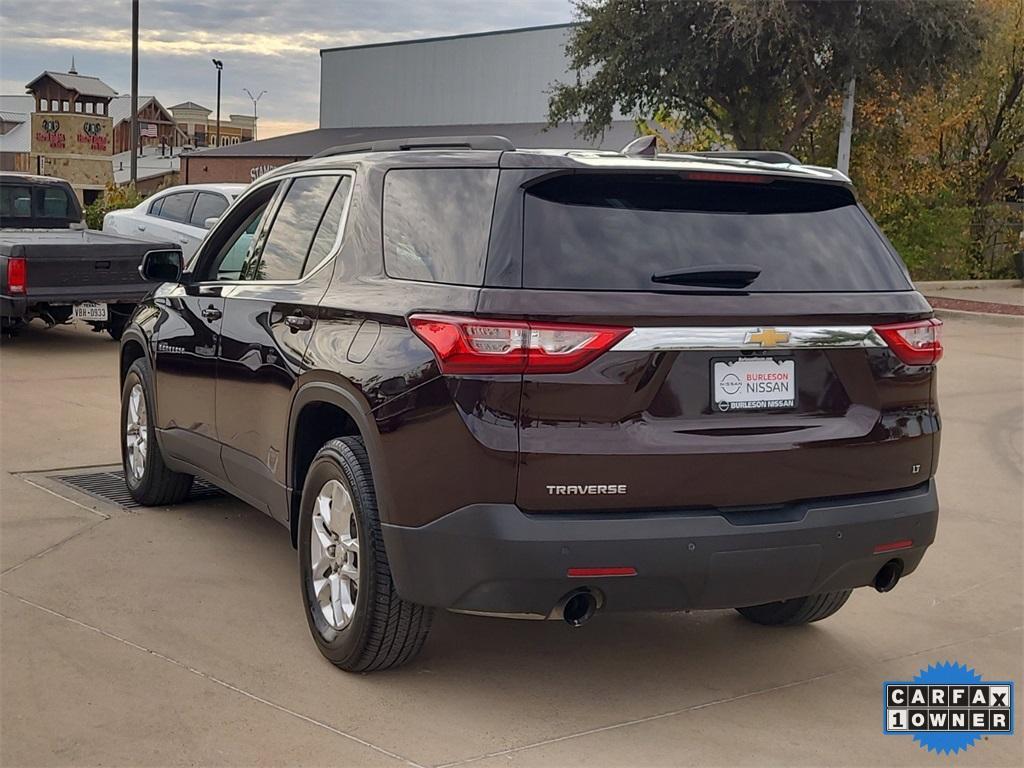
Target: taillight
{"points": [[727, 177], [917, 343], [16, 277], [470, 345]]}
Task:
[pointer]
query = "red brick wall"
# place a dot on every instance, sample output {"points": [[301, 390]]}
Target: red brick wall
{"points": [[199, 169]]}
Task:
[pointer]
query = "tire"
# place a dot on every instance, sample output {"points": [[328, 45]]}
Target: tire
{"points": [[373, 628], [800, 610], [116, 325], [155, 485], [120, 315]]}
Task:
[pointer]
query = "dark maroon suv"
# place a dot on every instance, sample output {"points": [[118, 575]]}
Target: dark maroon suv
{"points": [[545, 384]]}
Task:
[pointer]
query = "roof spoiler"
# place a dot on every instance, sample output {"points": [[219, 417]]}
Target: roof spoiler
{"points": [[494, 143]]}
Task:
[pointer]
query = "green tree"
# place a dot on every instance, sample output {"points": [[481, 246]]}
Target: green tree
{"points": [[756, 74], [112, 199]]}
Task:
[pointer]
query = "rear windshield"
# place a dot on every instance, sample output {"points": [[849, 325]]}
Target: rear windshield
{"points": [[616, 231]]}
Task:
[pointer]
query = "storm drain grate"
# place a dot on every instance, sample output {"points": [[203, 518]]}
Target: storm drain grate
{"points": [[109, 486]]}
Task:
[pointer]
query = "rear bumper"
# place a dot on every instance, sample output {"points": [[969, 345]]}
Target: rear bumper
{"points": [[493, 558], [15, 307], [12, 307]]}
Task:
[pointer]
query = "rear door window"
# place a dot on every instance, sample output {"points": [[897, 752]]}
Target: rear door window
{"points": [[615, 231], [436, 223], [176, 207], [327, 231], [283, 254], [209, 205]]}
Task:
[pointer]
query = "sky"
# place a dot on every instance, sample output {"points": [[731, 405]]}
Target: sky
{"points": [[270, 45]]}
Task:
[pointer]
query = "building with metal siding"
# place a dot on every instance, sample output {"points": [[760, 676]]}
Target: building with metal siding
{"points": [[492, 77], [486, 83]]}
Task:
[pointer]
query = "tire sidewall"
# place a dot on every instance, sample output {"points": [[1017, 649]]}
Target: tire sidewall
{"points": [[344, 645], [137, 375]]}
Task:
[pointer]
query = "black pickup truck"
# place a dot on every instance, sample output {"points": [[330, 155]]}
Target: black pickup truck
{"points": [[53, 268]]}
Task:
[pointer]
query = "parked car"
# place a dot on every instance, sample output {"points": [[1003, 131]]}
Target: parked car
{"points": [[544, 384], [52, 267], [178, 214]]}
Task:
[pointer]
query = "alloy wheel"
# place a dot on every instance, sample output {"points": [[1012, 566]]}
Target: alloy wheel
{"points": [[136, 435], [334, 554]]}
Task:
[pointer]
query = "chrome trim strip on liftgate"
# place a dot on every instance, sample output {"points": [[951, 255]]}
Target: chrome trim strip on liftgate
{"points": [[746, 338]]}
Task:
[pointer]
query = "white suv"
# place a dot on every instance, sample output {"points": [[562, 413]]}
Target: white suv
{"points": [[175, 215]]}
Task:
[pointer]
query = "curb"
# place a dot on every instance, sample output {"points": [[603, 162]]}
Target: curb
{"points": [[944, 285], [1012, 321]]}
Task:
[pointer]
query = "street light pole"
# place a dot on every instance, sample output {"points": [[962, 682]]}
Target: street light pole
{"points": [[220, 66], [134, 125], [255, 99]]}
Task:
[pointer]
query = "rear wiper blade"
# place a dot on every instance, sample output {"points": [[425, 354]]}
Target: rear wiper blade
{"points": [[710, 276]]}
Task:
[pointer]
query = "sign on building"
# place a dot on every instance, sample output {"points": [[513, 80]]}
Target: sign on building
{"points": [[66, 133]]}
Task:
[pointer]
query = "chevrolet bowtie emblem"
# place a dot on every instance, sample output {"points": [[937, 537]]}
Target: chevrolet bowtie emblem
{"points": [[767, 337]]}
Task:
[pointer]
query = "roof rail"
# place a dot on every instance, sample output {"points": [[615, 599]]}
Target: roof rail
{"points": [[496, 143], [762, 156]]}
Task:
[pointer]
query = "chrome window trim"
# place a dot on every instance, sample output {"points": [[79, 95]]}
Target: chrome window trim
{"points": [[661, 339], [338, 238]]}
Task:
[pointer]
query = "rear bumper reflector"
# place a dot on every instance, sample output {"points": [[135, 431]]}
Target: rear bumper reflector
{"points": [[585, 573], [894, 546]]}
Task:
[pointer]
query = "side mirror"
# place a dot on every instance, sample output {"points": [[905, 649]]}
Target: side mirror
{"points": [[208, 224], [162, 266]]}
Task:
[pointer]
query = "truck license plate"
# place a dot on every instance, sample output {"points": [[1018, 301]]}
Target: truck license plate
{"points": [[754, 384], [91, 311]]}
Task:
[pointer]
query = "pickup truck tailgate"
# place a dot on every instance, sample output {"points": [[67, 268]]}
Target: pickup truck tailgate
{"points": [[78, 265]]}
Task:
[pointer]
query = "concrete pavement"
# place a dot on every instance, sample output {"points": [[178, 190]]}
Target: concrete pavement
{"points": [[994, 291], [175, 636]]}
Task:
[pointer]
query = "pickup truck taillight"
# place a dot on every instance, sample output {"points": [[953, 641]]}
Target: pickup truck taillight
{"points": [[16, 276]]}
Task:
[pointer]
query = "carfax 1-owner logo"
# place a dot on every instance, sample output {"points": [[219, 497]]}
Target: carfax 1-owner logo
{"points": [[948, 707]]}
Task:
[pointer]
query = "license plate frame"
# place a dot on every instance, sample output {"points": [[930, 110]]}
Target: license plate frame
{"points": [[777, 394], [91, 311]]}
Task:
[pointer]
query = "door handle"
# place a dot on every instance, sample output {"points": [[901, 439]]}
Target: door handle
{"points": [[298, 322], [211, 313], [142, 228], [183, 241]]}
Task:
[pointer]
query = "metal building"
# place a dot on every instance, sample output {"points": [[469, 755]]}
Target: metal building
{"points": [[490, 77], [486, 83]]}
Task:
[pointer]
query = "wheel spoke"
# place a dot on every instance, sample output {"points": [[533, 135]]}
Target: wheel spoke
{"points": [[340, 618], [350, 572], [323, 537], [321, 588], [341, 503], [319, 561], [349, 543], [323, 507]]}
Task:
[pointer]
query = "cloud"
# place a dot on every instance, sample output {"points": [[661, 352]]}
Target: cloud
{"points": [[270, 44]]}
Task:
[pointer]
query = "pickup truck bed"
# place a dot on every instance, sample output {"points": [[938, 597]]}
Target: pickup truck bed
{"points": [[64, 267]]}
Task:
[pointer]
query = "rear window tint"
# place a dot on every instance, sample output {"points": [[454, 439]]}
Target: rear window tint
{"points": [[15, 201], [175, 207], [615, 231], [436, 223], [55, 204], [208, 206], [327, 232]]}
